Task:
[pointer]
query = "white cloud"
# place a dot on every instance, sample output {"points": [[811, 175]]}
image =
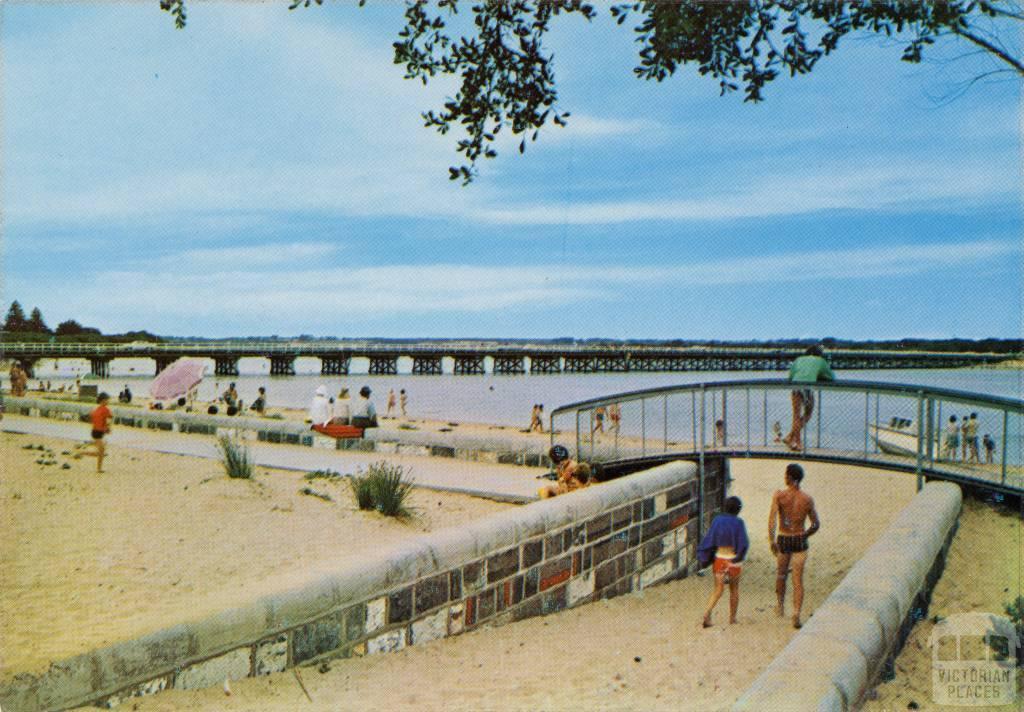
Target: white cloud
{"points": [[860, 187], [266, 255], [248, 298]]}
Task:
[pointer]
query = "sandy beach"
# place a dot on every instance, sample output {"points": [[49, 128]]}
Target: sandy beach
{"points": [[984, 572], [641, 651], [159, 539]]}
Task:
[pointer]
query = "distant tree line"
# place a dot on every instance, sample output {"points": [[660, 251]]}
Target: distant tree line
{"points": [[18, 328]]}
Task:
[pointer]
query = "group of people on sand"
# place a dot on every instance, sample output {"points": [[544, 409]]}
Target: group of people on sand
{"points": [[725, 546], [401, 401], [342, 410], [614, 415], [569, 474], [963, 436]]}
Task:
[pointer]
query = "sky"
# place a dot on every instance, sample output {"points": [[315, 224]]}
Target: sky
{"points": [[267, 172]]}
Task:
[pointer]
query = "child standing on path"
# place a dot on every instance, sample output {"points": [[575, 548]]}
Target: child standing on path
{"points": [[100, 418], [403, 401], [724, 548]]}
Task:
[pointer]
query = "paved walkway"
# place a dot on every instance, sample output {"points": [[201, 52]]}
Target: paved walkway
{"points": [[503, 482]]}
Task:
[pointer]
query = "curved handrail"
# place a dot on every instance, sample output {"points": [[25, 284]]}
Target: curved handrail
{"points": [[836, 423], [882, 387]]}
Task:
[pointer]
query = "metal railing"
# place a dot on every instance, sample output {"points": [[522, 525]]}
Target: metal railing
{"points": [[363, 345], [887, 425]]}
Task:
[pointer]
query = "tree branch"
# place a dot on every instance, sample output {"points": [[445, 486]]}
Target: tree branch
{"points": [[1016, 64]]}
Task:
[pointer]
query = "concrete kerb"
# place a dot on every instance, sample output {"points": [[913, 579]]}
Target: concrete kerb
{"points": [[470, 446], [841, 660], [857, 628], [111, 670]]}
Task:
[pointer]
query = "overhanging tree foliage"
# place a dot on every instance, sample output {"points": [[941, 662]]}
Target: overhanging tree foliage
{"points": [[507, 80]]}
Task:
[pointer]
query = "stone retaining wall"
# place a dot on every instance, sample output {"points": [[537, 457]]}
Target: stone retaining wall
{"points": [[595, 543], [854, 636], [464, 446]]}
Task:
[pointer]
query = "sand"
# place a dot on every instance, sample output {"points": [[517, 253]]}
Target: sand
{"points": [[87, 560], [984, 572], [642, 651]]}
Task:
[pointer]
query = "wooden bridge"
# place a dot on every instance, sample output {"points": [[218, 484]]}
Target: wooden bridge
{"points": [[476, 357]]}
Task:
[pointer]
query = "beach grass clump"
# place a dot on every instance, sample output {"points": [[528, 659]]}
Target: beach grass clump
{"points": [[235, 458], [384, 487], [330, 475]]}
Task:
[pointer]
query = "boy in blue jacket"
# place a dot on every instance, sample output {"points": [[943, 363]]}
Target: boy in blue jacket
{"points": [[724, 547]]}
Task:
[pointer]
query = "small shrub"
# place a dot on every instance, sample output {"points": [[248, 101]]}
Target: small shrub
{"points": [[313, 493], [235, 457], [324, 475], [384, 487], [362, 490]]}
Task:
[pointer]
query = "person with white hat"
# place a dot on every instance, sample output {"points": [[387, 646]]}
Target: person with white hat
{"points": [[320, 408]]}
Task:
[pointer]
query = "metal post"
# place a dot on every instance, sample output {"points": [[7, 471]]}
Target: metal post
{"points": [[693, 419], [920, 441], [725, 420], [593, 435], [938, 430], [1006, 432], [876, 422], [618, 425], [714, 430], [700, 470], [643, 427], [578, 441], [818, 436], [867, 403], [764, 420], [665, 423], [748, 420], [931, 433]]}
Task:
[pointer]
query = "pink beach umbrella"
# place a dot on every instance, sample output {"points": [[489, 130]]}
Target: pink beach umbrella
{"points": [[178, 379]]}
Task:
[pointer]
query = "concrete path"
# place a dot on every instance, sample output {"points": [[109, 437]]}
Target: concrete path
{"points": [[502, 482]]}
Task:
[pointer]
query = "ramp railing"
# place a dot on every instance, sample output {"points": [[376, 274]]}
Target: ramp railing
{"points": [[956, 435]]}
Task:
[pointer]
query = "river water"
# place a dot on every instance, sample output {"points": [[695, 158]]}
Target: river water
{"points": [[501, 400]]}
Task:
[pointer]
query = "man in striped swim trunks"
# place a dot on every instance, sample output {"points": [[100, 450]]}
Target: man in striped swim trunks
{"points": [[791, 507]]}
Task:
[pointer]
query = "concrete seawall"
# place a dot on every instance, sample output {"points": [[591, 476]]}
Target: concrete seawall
{"points": [[464, 446], [596, 543], [857, 632]]}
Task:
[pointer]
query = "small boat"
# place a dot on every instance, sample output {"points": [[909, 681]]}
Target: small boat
{"points": [[899, 437]]}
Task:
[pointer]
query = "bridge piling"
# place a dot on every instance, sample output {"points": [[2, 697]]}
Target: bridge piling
{"points": [[99, 367], [225, 365], [383, 365], [282, 366], [427, 366]]}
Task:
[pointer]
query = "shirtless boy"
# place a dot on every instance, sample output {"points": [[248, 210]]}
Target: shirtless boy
{"points": [[791, 507]]}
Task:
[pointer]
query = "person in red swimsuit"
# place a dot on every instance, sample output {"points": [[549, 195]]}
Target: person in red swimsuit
{"points": [[100, 418]]}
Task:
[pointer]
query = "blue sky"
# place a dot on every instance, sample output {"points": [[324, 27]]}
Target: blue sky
{"points": [[266, 172]]}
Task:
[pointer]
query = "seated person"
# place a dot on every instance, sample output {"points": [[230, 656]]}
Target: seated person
{"points": [[342, 410], [260, 404], [364, 415], [571, 475]]}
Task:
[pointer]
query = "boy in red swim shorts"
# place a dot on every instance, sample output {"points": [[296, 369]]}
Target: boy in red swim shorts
{"points": [[100, 418], [724, 547]]}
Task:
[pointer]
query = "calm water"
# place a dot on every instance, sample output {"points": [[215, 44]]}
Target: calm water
{"points": [[503, 400]]}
